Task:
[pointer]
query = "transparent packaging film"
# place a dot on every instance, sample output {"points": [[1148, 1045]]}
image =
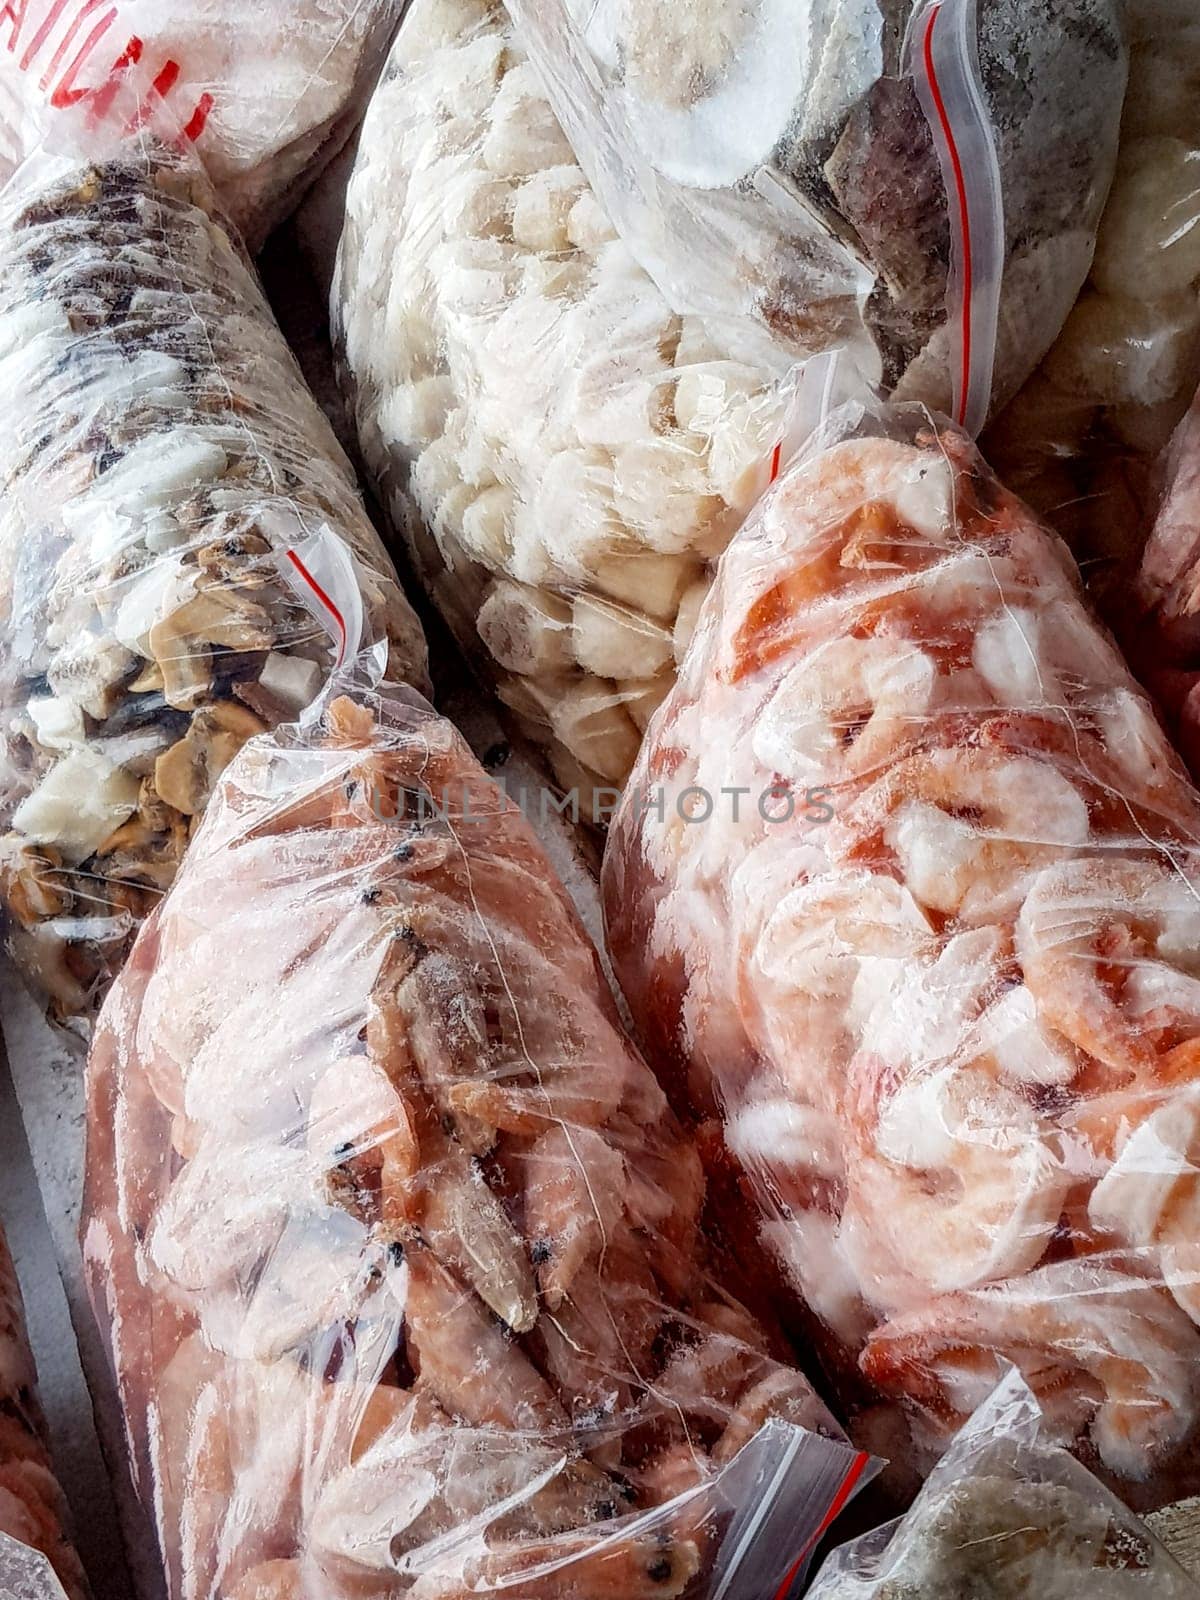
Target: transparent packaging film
{"points": [[1007, 1514], [174, 507], [902, 896], [564, 455], [400, 1253], [265, 91], [1081, 439], [36, 1556], [806, 167]]}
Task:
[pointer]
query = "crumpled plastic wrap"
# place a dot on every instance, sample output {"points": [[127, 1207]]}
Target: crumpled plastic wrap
{"points": [[773, 160], [905, 893], [564, 455], [174, 508], [1007, 1516], [1081, 439], [397, 1246], [32, 1508], [267, 91]]}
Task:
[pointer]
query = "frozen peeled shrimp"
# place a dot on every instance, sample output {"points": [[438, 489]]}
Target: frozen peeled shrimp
{"points": [[949, 1022]]}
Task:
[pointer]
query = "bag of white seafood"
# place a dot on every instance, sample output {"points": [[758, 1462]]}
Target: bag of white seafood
{"points": [[1006, 1515], [831, 168], [904, 896], [1080, 441], [37, 1560], [177, 523], [267, 92], [564, 455], [399, 1251]]}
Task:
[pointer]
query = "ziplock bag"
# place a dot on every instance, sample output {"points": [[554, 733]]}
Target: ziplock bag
{"points": [[1081, 439], [267, 92], [905, 896], [853, 171], [34, 1547], [1006, 1515], [177, 521], [563, 454], [398, 1249]]}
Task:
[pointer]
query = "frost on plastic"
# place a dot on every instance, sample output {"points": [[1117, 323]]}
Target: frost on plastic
{"points": [[267, 91], [33, 1544], [1007, 1514], [161, 462], [950, 1025], [565, 455], [1080, 440], [772, 160], [396, 1243]]}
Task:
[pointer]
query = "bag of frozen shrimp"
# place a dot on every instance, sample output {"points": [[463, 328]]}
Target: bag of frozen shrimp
{"points": [[904, 897], [401, 1256]]}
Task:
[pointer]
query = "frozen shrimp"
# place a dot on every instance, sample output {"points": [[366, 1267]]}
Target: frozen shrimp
{"points": [[1150, 1196], [1087, 1338], [967, 827], [956, 1180], [846, 709], [1110, 947]]}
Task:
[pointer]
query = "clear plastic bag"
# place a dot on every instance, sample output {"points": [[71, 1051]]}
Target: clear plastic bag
{"points": [[176, 516], [34, 1545], [1007, 1515], [774, 161], [1081, 439], [903, 896], [266, 90], [399, 1251], [563, 454]]}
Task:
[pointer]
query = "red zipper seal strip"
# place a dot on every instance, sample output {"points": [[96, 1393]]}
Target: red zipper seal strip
{"points": [[836, 1506], [325, 601], [963, 213]]}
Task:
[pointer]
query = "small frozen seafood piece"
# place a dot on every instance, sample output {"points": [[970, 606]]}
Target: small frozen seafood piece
{"points": [[565, 456], [399, 1251], [1007, 1516], [177, 523], [929, 953], [33, 1512], [267, 92]]}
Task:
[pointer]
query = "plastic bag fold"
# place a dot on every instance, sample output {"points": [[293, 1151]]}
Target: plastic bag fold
{"points": [[1007, 1514], [184, 556], [903, 898], [399, 1252], [37, 1560], [266, 92]]}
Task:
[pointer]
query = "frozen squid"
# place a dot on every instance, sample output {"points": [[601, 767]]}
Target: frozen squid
{"points": [[905, 895], [177, 521], [398, 1249]]}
